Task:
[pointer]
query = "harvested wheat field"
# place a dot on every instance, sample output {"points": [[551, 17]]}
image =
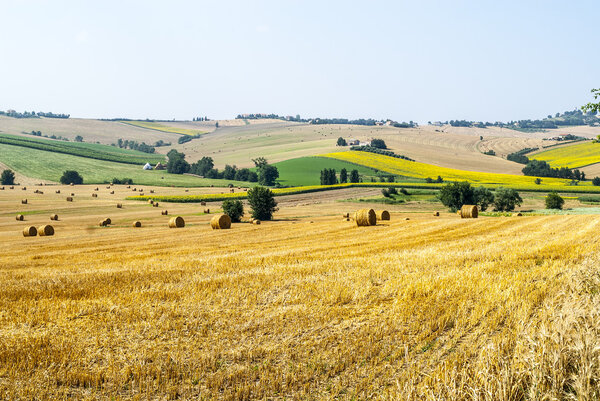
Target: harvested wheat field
{"points": [[430, 308]]}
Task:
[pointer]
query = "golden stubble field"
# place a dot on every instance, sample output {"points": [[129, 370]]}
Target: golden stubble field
{"points": [[305, 307]]}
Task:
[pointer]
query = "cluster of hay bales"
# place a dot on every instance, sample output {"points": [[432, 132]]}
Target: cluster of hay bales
{"points": [[469, 212], [220, 222], [45, 230], [137, 224], [176, 222], [54, 217], [365, 217]]}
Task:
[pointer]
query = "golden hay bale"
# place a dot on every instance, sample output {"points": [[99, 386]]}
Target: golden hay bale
{"points": [[365, 217], [112, 192], [202, 203], [141, 194], [165, 212], [436, 214], [382, 215], [128, 186], [69, 199], [58, 191], [255, 221], [45, 231], [54, 217], [94, 195], [20, 217], [95, 189], [24, 188], [176, 222], [119, 206], [29, 231], [72, 184], [206, 211], [23, 201], [102, 223], [11, 187], [137, 224], [155, 204], [151, 191], [518, 214], [72, 194], [1, 188], [346, 219], [108, 220], [220, 221], [469, 212], [406, 218], [150, 201], [108, 187]]}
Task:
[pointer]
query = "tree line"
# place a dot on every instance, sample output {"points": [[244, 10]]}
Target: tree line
{"points": [[329, 176]]}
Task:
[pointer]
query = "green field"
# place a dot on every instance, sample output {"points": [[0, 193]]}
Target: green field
{"points": [[572, 156], [88, 150], [50, 166], [307, 170]]}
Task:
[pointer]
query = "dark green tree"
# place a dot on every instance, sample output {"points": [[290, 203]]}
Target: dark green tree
{"points": [[78, 138], [506, 199], [354, 176], [483, 197], [457, 194], [71, 177], [7, 178], [341, 142], [267, 175], [596, 181], [260, 162], [378, 143], [593, 107], [262, 202], [229, 172], [343, 176], [554, 201], [234, 208], [177, 163]]}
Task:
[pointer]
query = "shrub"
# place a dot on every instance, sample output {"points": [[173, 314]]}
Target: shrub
{"points": [[393, 191], [538, 181], [385, 192], [403, 191], [262, 202], [505, 199], [439, 179], [596, 181], [71, 177], [126, 181], [8, 177], [233, 208], [554, 201], [429, 180]]}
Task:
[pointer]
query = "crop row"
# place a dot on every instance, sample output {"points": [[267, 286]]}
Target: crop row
{"points": [[91, 151], [164, 128]]}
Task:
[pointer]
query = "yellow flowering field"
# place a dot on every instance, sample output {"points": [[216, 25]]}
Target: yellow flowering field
{"points": [[572, 156]]}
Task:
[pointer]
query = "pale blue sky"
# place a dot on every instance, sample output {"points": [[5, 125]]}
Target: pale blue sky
{"points": [[418, 60]]}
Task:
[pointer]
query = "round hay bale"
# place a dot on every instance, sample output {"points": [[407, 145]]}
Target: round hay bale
{"points": [[255, 221], [95, 189], [220, 222], [141, 194], [346, 219], [11, 187], [30, 231], [176, 222], [54, 217], [382, 215], [519, 214], [206, 211], [72, 194], [58, 191], [436, 214], [119, 206], [202, 203], [69, 199], [150, 201], [112, 192], [151, 191], [23, 201], [102, 223], [365, 217], [1, 188], [155, 204], [134, 189], [469, 212], [165, 212], [345, 215], [46, 230], [406, 218], [72, 184], [108, 220], [20, 217], [24, 188], [137, 224], [94, 195], [128, 186]]}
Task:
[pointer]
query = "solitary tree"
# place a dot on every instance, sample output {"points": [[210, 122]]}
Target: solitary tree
{"points": [[71, 177], [262, 202], [554, 201], [378, 143], [506, 199], [78, 138], [596, 181], [8, 177], [341, 142]]}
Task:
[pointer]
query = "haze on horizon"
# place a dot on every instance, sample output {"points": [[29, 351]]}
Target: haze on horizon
{"points": [[421, 61]]}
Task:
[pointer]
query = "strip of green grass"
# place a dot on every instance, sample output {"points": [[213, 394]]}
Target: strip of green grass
{"points": [[307, 170]]}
